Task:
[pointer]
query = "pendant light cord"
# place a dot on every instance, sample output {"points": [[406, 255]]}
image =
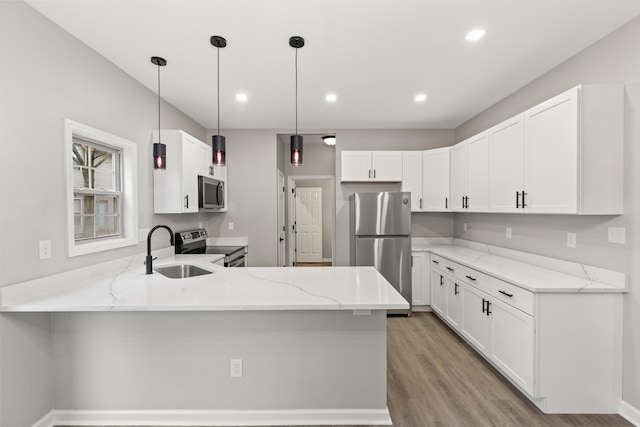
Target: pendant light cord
{"points": [[218, 91], [296, 91], [159, 137]]}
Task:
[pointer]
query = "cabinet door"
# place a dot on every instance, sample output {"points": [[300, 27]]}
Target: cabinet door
{"points": [[435, 180], [459, 166], [512, 343], [386, 165], [476, 323], [417, 297], [478, 173], [506, 161], [190, 153], [437, 292], [204, 159], [355, 166], [551, 155], [453, 302], [412, 177]]}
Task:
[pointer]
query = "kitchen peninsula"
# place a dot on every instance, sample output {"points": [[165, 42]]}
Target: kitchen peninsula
{"points": [[238, 346]]}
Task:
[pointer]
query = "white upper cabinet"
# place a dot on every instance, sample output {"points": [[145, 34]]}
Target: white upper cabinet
{"points": [[412, 177], [426, 175], [435, 180], [574, 152], [371, 166], [506, 160], [564, 156], [459, 173], [175, 190], [470, 174], [478, 173]]}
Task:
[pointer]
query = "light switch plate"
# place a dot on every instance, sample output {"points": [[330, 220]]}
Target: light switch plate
{"points": [[617, 235], [508, 234], [230, 226], [465, 227], [571, 240]]}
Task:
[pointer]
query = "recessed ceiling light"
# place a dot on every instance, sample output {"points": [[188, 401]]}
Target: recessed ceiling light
{"points": [[329, 139], [332, 97], [475, 35], [242, 97], [421, 97]]}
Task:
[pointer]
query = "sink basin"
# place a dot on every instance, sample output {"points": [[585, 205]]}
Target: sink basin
{"points": [[182, 271]]}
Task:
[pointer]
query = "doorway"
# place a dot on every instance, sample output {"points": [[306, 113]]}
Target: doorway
{"points": [[311, 221]]}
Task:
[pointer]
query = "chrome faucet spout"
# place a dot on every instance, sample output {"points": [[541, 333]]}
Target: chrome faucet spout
{"points": [[149, 259]]}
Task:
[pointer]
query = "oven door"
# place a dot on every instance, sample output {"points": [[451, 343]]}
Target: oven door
{"points": [[210, 193], [238, 262]]}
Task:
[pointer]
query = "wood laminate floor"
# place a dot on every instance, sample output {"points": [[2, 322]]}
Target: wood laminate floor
{"points": [[436, 380]]}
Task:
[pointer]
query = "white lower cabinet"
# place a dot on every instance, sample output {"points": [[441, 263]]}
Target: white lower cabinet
{"points": [[562, 349], [512, 343], [476, 327], [420, 281]]}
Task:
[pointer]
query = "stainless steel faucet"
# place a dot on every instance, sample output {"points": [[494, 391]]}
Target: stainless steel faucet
{"points": [[149, 261]]}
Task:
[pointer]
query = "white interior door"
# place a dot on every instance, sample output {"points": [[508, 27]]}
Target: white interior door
{"points": [[308, 224], [281, 225]]}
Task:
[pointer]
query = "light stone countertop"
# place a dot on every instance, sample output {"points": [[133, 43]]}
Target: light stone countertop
{"points": [[122, 285], [531, 272]]}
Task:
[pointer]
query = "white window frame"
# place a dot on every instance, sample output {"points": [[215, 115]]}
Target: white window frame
{"points": [[129, 199]]}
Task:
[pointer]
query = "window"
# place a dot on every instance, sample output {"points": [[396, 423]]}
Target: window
{"points": [[101, 188]]}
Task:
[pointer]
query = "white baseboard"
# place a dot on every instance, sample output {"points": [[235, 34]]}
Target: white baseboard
{"points": [[220, 418], [630, 413], [46, 421]]}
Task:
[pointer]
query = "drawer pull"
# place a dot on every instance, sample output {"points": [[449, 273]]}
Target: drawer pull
{"points": [[455, 289], [435, 262], [450, 269], [504, 293], [471, 278]]}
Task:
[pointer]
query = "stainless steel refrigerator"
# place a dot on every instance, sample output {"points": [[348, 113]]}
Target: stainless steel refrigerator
{"points": [[381, 237]]}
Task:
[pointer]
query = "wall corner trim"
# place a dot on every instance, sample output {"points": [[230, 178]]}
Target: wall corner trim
{"points": [[630, 413]]}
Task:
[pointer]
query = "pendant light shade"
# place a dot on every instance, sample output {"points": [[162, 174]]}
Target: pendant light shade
{"points": [[296, 150], [296, 140], [159, 149], [218, 142]]}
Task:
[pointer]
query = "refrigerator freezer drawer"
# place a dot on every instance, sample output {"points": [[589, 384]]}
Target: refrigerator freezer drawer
{"points": [[391, 256]]}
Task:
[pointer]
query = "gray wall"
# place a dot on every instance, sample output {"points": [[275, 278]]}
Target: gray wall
{"points": [[252, 180], [423, 224], [48, 75], [26, 379], [613, 59]]}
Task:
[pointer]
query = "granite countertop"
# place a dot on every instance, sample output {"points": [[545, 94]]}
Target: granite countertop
{"points": [[122, 285], [528, 271]]}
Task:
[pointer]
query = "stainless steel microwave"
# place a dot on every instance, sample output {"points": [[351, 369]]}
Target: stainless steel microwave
{"points": [[210, 193]]}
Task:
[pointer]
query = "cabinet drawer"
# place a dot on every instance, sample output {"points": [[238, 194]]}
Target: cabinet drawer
{"points": [[475, 278], [513, 295], [446, 265]]}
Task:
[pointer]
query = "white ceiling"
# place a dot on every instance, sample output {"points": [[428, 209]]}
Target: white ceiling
{"points": [[376, 55]]}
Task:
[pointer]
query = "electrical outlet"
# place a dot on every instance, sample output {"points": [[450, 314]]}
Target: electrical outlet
{"points": [[362, 312], [236, 368], [508, 234], [465, 228], [45, 249], [617, 235], [230, 226], [571, 240]]}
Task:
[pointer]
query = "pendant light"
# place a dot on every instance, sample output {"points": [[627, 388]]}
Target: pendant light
{"points": [[218, 142], [296, 140], [159, 149]]}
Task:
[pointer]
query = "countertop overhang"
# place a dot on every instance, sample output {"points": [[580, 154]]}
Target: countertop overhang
{"points": [[124, 286]]}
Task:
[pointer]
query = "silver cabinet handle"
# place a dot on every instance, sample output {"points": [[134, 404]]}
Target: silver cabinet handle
{"points": [[374, 173], [421, 203], [369, 173], [186, 201]]}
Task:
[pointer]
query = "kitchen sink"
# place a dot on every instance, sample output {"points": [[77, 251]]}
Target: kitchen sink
{"points": [[182, 271]]}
